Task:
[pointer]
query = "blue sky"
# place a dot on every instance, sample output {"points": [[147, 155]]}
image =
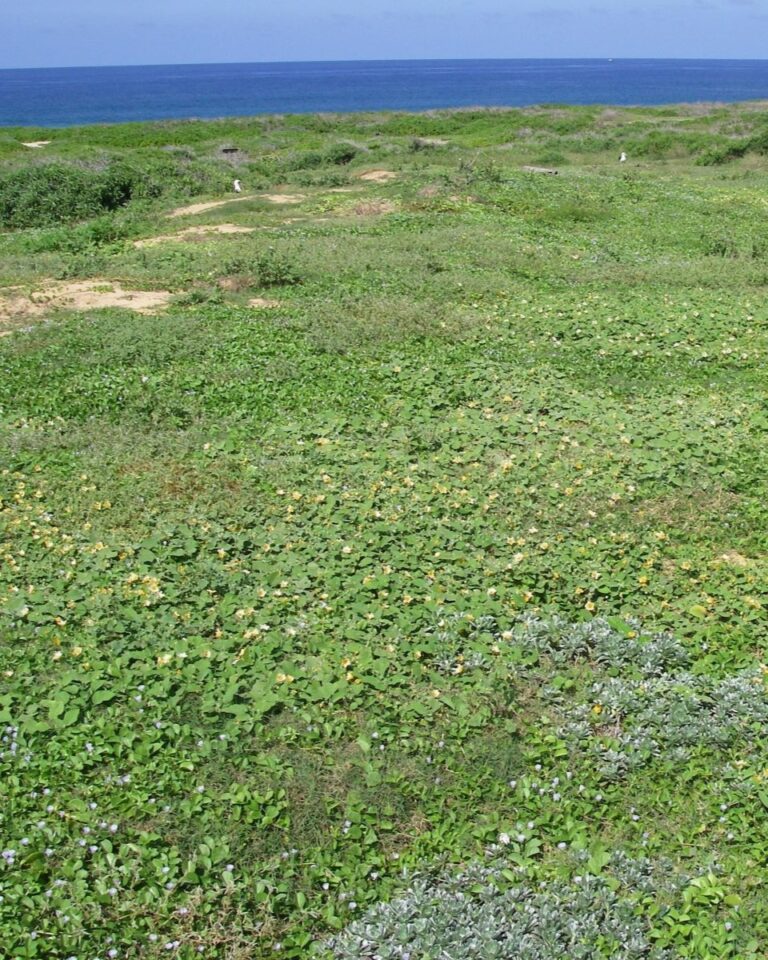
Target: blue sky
{"points": [[38, 33]]}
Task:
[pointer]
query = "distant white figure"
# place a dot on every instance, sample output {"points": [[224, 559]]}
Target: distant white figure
{"points": [[623, 157], [238, 187]]}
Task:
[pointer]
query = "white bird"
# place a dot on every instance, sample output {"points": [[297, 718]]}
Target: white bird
{"points": [[237, 186], [623, 157]]}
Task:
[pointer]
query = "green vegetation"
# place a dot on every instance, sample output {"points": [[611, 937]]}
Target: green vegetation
{"points": [[403, 582]]}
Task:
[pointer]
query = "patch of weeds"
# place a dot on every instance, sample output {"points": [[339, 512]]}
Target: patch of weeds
{"points": [[272, 268], [479, 170], [199, 296], [321, 178], [609, 906]]}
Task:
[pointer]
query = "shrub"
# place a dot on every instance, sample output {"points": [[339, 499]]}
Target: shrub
{"points": [[274, 269], [480, 170], [55, 193], [341, 153], [718, 155], [338, 154]]}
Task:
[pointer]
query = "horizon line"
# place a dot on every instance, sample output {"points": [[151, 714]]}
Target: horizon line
{"points": [[232, 63]]}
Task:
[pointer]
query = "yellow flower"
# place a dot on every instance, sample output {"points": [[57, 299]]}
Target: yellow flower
{"points": [[597, 709], [436, 694]]}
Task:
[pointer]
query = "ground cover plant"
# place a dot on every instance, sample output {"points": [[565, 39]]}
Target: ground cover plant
{"points": [[394, 585]]}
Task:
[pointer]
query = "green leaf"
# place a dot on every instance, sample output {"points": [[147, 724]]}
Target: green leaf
{"points": [[103, 696]]}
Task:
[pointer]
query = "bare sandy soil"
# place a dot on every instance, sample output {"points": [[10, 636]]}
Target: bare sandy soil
{"points": [[18, 306], [263, 303], [372, 208], [378, 176], [284, 197]]}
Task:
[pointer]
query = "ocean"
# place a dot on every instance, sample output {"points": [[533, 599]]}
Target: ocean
{"points": [[75, 95]]}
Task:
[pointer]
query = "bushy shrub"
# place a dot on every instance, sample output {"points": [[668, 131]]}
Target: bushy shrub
{"points": [[53, 193], [479, 170], [734, 150], [99, 232], [337, 154], [340, 153], [274, 269], [269, 268], [715, 156]]}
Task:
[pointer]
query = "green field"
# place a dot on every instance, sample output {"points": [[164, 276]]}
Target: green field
{"points": [[396, 587]]}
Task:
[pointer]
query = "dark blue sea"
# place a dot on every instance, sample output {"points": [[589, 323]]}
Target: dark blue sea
{"points": [[73, 95]]}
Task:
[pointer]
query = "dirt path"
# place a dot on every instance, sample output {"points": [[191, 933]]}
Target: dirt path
{"points": [[202, 207], [193, 233], [194, 208], [284, 197]]}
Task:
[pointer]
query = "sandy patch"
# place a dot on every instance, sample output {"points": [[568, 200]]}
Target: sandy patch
{"points": [[548, 170], [378, 176], [202, 207], [343, 189], [734, 558], [35, 144], [263, 303], [193, 233], [17, 306], [284, 197], [372, 208]]}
